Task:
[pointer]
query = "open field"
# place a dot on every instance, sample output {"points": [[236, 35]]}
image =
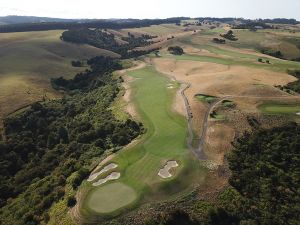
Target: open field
{"points": [[165, 140], [249, 43], [27, 62], [159, 30]]}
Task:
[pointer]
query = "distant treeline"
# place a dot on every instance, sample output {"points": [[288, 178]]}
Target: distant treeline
{"points": [[279, 21], [61, 24], [252, 25], [103, 24], [231, 20]]}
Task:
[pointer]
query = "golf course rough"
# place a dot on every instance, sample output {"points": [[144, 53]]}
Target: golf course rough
{"points": [[165, 139]]}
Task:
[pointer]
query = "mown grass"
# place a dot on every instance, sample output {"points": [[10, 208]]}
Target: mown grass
{"points": [[279, 108], [100, 202], [164, 140], [205, 98]]}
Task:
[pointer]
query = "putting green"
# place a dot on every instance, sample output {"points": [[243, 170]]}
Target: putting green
{"points": [[164, 140], [99, 201], [273, 108]]}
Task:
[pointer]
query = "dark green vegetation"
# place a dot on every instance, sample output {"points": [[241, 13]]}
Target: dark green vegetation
{"points": [[177, 217], [265, 183], [219, 41], [265, 171], [253, 25], [176, 50], [229, 36], [27, 23], [102, 24], [294, 86], [89, 79], [270, 52], [104, 40], [48, 143]]}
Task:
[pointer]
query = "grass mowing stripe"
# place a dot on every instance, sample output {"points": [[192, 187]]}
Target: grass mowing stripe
{"points": [[165, 140]]}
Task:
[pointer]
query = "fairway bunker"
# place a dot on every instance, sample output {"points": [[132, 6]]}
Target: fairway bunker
{"points": [[298, 113], [111, 197], [165, 172], [112, 176], [111, 166], [170, 86]]}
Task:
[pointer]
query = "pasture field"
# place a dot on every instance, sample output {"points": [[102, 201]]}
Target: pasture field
{"points": [[262, 39], [27, 62], [159, 30], [165, 140], [279, 108], [277, 65]]}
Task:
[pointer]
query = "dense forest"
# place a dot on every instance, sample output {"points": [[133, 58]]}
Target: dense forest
{"points": [[265, 171], [52, 141], [265, 183], [102, 39], [294, 86]]}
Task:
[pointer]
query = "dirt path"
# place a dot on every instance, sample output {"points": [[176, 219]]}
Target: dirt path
{"points": [[199, 150]]}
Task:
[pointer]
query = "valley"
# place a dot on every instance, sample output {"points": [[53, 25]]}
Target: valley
{"points": [[151, 131]]}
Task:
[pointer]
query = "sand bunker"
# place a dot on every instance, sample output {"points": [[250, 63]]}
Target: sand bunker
{"points": [[112, 176], [164, 172], [298, 113], [105, 169]]}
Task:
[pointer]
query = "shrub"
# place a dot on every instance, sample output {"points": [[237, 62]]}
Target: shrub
{"points": [[71, 201], [176, 50]]}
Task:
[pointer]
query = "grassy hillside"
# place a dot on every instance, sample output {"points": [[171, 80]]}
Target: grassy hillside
{"points": [[27, 62]]}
